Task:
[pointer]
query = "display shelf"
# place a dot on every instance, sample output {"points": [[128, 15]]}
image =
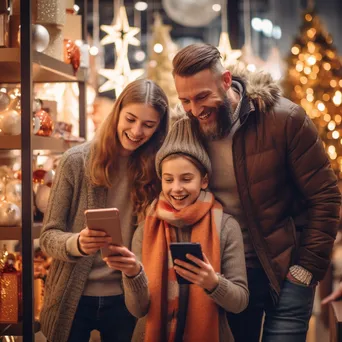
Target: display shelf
{"points": [[14, 233], [44, 68], [15, 329], [13, 142]]}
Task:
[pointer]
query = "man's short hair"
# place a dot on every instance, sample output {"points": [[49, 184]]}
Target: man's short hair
{"points": [[195, 58]]}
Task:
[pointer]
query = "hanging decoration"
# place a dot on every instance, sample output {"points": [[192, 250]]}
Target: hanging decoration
{"points": [[314, 80], [229, 56], [159, 67], [122, 35]]}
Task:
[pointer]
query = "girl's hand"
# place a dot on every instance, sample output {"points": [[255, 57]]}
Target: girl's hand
{"points": [[123, 260], [202, 275], [90, 241]]}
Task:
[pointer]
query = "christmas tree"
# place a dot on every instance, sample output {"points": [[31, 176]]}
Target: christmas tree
{"points": [[314, 81], [159, 67]]}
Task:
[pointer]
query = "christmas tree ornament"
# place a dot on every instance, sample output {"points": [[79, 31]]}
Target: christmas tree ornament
{"points": [[10, 122], [38, 175], [42, 197], [40, 37], [45, 123], [4, 101], [10, 214], [72, 54], [13, 191]]}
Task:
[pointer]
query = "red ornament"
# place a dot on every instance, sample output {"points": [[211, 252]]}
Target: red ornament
{"points": [[38, 175], [45, 124], [72, 54]]}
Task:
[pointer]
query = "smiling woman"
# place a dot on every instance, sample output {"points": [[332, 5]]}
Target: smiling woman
{"points": [[137, 124], [116, 169]]}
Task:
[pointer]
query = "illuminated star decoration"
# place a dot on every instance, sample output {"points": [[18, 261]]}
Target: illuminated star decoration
{"points": [[229, 56], [122, 35], [120, 76]]}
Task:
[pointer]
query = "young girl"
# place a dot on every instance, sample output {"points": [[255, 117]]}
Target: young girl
{"points": [[116, 169], [185, 211]]}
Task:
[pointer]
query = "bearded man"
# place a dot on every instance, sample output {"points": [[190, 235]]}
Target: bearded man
{"points": [[271, 172]]}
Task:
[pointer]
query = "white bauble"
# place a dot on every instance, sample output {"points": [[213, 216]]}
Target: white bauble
{"points": [[42, 197], [13, 192], [10, 122], [10, 214], [40, 38]]}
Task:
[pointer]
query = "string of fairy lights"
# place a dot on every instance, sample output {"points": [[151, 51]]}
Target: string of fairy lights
{"points": [[314, 81]]}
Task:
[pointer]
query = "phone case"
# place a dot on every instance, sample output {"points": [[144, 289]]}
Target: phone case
{"points": [[107, 220], [180, 249]]}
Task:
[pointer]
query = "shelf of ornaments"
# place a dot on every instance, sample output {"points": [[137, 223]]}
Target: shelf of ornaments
{"points": [[13, 142], [44, 68], [15, 329], [14, 233]]}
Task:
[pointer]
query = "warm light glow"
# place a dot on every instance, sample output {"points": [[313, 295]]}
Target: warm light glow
{"points": [[299, 66], [309, 91], [331, 149], [321, 106], [216, 7], [76, 8], [308, 17], [311, 60], [295, 50], [327, 66], [337, 99], [141, 6], [330, 54], [311, 47], [333, 83], [158, 48], [315, 69], [93, 50], [338, 118], [335, 134], [331, 125], [326, 117], [307, 70], [310, 97], [251, 67], [326, 97], [311, 33], [303, 80]]}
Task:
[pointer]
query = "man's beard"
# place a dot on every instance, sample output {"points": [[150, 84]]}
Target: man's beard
{"points": [[223, 123]]}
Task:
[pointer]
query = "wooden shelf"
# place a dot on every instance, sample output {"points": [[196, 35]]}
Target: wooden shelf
{"points": [[13, 142], [15, 329], [14, 233], [44, 68]]}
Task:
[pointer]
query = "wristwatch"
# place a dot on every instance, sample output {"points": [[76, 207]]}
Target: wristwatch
{"points": [[301, 274]]}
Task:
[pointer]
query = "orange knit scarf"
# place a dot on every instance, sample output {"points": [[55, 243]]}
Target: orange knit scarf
{"points": [[202, 322]]}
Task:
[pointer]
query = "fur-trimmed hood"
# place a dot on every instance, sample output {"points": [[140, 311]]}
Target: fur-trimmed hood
{"points": [[260, 87]]}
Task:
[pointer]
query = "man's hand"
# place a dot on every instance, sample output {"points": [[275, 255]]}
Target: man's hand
{"points": [[337, 294], [90, 241], [123, 260], [202, 275]]}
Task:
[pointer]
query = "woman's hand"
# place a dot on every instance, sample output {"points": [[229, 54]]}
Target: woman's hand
{"points": [[90, 240], [202, 275], [123, 260]]}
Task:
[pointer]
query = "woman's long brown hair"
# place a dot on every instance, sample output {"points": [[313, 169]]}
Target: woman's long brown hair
{"points": [[105, 147]]}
